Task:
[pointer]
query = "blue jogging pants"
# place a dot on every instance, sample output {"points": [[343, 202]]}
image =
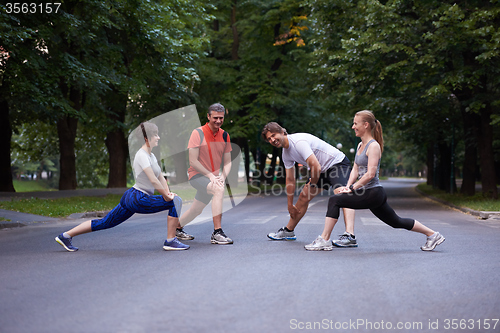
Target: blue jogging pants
{"points": [[135, 201]]}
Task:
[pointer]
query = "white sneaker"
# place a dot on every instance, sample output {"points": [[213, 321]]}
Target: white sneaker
{"points": [[432, 242], [319, 244]]}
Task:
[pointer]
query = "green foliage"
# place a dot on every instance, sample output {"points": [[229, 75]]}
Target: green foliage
{"points": [[306, 64], [35, 151], [415, 64], [143, 50], [258, 68], [92, 159]]}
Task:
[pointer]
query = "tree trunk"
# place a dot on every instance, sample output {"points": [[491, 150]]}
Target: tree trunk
{"points": [[246, 150], [117, 149], [66, 130], [430, 165], [444, 167], [115, 141], [272, 167], [470, 121], [6, 184], [281, 175], [235, 165], [486, 155], [262, 167]]}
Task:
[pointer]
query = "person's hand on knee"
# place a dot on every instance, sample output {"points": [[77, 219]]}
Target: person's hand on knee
{"points": [[169, 197], [339, 190]]}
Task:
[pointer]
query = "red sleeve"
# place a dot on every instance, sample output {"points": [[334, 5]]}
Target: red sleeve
{"points": [[228, 145]]}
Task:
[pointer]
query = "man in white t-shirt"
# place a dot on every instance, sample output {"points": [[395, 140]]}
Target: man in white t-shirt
{"points": [[328, 167]]}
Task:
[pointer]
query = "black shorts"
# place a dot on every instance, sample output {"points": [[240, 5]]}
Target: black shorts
{"points": [[336, 176], [200, 183]]}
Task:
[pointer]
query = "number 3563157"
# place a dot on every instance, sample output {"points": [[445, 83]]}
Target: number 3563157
{"points": [[32, 8], [471, 324]]}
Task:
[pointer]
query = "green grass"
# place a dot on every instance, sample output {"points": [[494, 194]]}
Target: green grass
{"points": [[476, 202], [61, 207], [4, 219], [31, 185]]}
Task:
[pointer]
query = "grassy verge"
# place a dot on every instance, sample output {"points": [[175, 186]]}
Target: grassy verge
{"points": [[476, 202], [61, 207], [31, 185]]}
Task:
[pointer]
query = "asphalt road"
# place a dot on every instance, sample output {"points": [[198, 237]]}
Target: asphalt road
{"points": [[122, 281]]}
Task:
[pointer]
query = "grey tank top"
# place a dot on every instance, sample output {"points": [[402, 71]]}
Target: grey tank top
{"points": [[362, 162]]}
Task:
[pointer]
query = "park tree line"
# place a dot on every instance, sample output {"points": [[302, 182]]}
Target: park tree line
{"points": [[428, 67], [74, 83]]}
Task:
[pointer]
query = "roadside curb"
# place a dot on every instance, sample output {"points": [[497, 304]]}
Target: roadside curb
{"points": [[481, 214], [10, 224]]}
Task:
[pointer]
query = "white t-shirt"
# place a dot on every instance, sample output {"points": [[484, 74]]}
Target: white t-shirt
{"points": [[303, 145], [142, 161]]}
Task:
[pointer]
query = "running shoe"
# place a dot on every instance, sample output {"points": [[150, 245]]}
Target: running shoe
{"points": [[345, 240], [182, 235], [219, 237], [66, 243], [319, 244], [432, 242], [174, 245], [282, 234]]}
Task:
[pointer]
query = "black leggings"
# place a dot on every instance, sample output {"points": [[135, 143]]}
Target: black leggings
{"points": [[373, 199]]}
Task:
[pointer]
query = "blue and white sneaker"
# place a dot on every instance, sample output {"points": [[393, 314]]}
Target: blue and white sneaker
{"points": [[282, 234], [174, 245], [346, 240], [66, 243]]}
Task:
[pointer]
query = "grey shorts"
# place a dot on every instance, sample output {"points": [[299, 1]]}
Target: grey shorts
{"points": [[200, 183], [336, 176]]}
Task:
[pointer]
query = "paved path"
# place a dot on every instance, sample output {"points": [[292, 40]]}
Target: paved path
{"points": [[122, 281]]}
